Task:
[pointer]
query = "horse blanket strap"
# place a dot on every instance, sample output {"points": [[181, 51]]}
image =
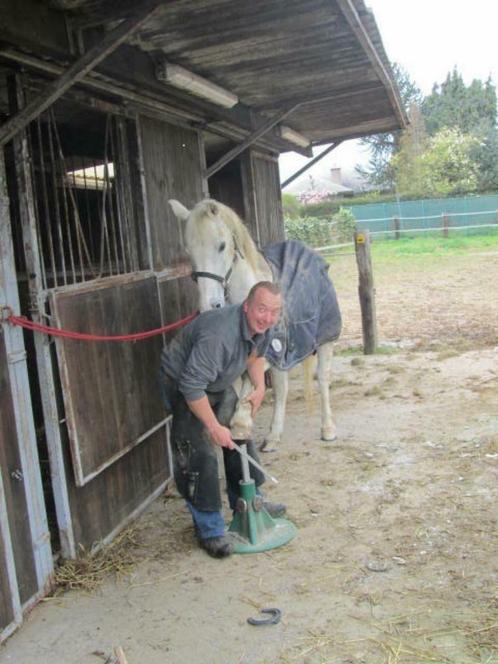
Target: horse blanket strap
{"points": [[311, 312]]}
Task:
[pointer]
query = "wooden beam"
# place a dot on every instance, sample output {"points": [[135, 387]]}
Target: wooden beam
{"points": [[332, 95], [352, 17], [252, 138], [310, 163], [232, 125], [76, 72]]}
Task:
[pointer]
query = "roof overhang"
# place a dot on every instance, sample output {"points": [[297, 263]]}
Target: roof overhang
{"points": [[322, 58]]}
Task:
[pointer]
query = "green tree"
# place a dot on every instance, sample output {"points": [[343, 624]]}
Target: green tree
{"points": [[407, 164], [453, 104], [379, 172], [473, 110], [486, 156], [446, 167], [291, 205]]}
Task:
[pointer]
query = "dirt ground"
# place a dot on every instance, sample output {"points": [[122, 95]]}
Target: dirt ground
{"points": [[395, 560]]}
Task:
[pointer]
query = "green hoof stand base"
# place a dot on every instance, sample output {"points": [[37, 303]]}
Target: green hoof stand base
{"points": [[253, 529]]}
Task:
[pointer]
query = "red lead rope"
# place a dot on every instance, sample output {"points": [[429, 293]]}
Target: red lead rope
{"points": [[82, 336]]}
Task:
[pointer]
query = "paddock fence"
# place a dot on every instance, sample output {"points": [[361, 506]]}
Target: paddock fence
{"points": [[467, 215], [470, 214]]}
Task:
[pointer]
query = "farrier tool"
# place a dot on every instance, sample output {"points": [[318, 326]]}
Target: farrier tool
{"points": [[252, 461], [254, 530]]}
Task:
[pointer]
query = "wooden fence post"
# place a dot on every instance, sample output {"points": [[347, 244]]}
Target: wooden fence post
{"points": [[366, 291], [397, 227], [446, 224]]}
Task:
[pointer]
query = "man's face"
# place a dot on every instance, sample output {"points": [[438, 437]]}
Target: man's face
{"points": [[263, 311]]}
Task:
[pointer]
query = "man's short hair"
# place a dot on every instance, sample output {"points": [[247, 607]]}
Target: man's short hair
{"points": [[273, 287]]}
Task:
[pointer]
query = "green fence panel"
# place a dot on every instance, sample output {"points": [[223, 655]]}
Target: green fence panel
{"points": [[428, 213]]}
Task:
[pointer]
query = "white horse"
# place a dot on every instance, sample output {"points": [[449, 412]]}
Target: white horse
{"points": [[226, 264]]}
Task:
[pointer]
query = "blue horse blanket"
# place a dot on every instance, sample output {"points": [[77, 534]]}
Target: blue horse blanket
{"points": [[311, 314]]}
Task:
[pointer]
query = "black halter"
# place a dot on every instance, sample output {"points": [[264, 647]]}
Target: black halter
{"points": [[210, 275], [224, 281]]}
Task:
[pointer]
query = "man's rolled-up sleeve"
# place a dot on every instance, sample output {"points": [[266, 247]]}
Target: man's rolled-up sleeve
{"points": [[202, 368]]}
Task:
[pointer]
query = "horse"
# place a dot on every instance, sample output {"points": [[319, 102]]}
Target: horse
{"points": [[226, 264]]}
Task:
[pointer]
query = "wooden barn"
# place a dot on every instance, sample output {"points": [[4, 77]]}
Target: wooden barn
{"points": [[107, 110]]}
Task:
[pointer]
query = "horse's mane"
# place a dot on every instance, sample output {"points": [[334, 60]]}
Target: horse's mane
{"points": [[245, 243]]}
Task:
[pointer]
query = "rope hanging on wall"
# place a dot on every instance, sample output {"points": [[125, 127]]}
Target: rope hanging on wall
{"points": [[24, 322]]}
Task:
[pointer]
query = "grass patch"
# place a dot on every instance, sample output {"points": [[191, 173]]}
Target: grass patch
{"points": [[435, 245]]}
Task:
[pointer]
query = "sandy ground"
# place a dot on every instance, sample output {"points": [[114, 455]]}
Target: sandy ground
{"points": [[395, 560]]}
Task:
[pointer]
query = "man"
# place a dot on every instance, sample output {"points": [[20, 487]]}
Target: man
{"points": [[197, 371]]}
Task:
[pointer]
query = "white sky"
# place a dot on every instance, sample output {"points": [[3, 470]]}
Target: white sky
{"points": [[428, 38]]}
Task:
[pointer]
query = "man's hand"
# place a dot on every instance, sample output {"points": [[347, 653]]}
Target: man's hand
{"points": [[255, 398], [221, 436]]}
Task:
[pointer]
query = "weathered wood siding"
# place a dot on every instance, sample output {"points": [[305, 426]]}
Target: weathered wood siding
{"points": [[251, 186], [226, 186], [6, 609], [172, 161], [262, 199], [13, 484], [109, 500], [107, 386]]}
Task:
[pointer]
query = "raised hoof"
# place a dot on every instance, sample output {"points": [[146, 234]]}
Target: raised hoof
{"points": [[329, 435], [240, 433]]}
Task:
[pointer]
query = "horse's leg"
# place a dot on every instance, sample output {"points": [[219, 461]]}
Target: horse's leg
{"points": [[241, 422], [324, 354], [280, 384]]}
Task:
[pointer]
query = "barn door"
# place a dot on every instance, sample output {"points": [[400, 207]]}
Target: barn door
{"points": [[25, 552], [87, 261], [110, 407]]}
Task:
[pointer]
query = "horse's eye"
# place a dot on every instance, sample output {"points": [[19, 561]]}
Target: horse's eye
{"points": [[222, 247]]}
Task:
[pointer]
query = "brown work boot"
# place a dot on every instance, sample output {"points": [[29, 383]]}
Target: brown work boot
{"points": [[217, 547]]}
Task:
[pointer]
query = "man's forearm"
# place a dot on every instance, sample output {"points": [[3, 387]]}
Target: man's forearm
{"points": [[219, 434], [203, 411], [256, 371]]}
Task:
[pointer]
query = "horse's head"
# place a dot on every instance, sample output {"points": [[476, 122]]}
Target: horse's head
{"points": [[211, 246]]}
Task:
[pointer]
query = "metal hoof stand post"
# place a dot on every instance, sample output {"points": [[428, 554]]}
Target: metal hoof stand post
{"points": [[253, 528]]}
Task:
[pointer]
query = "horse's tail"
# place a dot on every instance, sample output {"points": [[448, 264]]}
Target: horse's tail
{"points": [[308, 368]]}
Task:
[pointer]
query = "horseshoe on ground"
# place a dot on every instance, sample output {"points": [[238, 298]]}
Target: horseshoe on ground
{"points": [[275, 615]]}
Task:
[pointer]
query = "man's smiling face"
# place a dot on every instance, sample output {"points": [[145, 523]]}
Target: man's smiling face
{"points": [[262, 311]]}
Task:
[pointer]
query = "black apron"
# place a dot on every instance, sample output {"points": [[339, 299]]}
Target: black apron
{"points": [[195, 461]]}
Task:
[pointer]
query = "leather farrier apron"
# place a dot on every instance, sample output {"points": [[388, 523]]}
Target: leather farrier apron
{"points": [[195, 461]]}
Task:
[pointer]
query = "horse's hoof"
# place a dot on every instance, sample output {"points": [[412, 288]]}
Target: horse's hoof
{"points": [[329, 434], [268, 446], [240, 433]]}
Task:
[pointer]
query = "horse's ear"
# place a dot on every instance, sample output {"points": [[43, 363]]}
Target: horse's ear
{"points": [[179, 210], [213, 208]]}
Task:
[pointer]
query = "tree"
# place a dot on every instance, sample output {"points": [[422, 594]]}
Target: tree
{"points": [[291, 206], [446, 167], [406, 165], [379, 172], [486, 156], [452, 104], [472, 109]]}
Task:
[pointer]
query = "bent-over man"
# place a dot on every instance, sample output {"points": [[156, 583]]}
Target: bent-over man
{"points": [[198, 368]]}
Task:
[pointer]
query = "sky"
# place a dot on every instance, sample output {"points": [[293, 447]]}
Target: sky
{"points": [[428, 38]]}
